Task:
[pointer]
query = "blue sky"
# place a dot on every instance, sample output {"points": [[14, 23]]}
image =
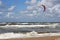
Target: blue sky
{"points": [[29, 11]]}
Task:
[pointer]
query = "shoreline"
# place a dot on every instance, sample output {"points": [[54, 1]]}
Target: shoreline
{"points": [[27, 36], [36, 38]]}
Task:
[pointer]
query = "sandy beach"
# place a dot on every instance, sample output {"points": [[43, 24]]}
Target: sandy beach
{"points": [[36, 38]]}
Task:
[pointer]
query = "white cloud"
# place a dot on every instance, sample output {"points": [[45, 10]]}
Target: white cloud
{"points": [[52, 6], [1, 12], [35, 7], [30, 15], [27, 2], [33, 1], [49, 15], [12, 15], [0, 3], [49, 3], [57, 8], [34, 11], [8, 14], [25, 11], [11, 8], [30, 7], [39, 3], [4, 9]]}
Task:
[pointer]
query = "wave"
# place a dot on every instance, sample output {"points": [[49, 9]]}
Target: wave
{"points": [[27, 35], [28, 28], [36, 25]]}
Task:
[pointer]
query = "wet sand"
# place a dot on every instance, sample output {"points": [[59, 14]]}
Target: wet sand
{"points": [[36, 38]]}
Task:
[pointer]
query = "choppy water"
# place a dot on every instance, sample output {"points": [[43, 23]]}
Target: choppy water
{"points": [[13, 31], [29, 29]]}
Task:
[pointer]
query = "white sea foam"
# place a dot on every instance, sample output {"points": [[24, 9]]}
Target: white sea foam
{"points": [[18, 26], [21, 35]]}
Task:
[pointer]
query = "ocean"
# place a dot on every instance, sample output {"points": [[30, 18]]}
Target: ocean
{"points": [[29, 27]]}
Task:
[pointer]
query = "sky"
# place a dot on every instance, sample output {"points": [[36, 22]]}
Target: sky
{"points": [[29, 11]]}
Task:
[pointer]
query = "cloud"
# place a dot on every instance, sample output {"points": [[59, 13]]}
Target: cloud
{"points": [[27, 2], [30, 7], [2, 5], [34, 8], [31, 2], [57, 8], [34, 13], [8, 14], [0, 2], [11, 8], [30, 15], [50, 3], [4, 9], [1, 12], [23, 12], [49, 15], [7, 11], [12, 15]]}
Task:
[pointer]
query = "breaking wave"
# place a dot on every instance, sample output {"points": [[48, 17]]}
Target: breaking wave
{"points": [[27, 35]]}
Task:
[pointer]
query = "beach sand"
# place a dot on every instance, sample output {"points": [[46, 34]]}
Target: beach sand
{"points": [[36, 38]]}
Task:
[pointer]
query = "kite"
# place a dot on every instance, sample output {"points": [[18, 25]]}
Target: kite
{"points": [[44, 7]]}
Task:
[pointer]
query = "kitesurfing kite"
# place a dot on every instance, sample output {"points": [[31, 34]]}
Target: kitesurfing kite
{"points": [[44, 7]]}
